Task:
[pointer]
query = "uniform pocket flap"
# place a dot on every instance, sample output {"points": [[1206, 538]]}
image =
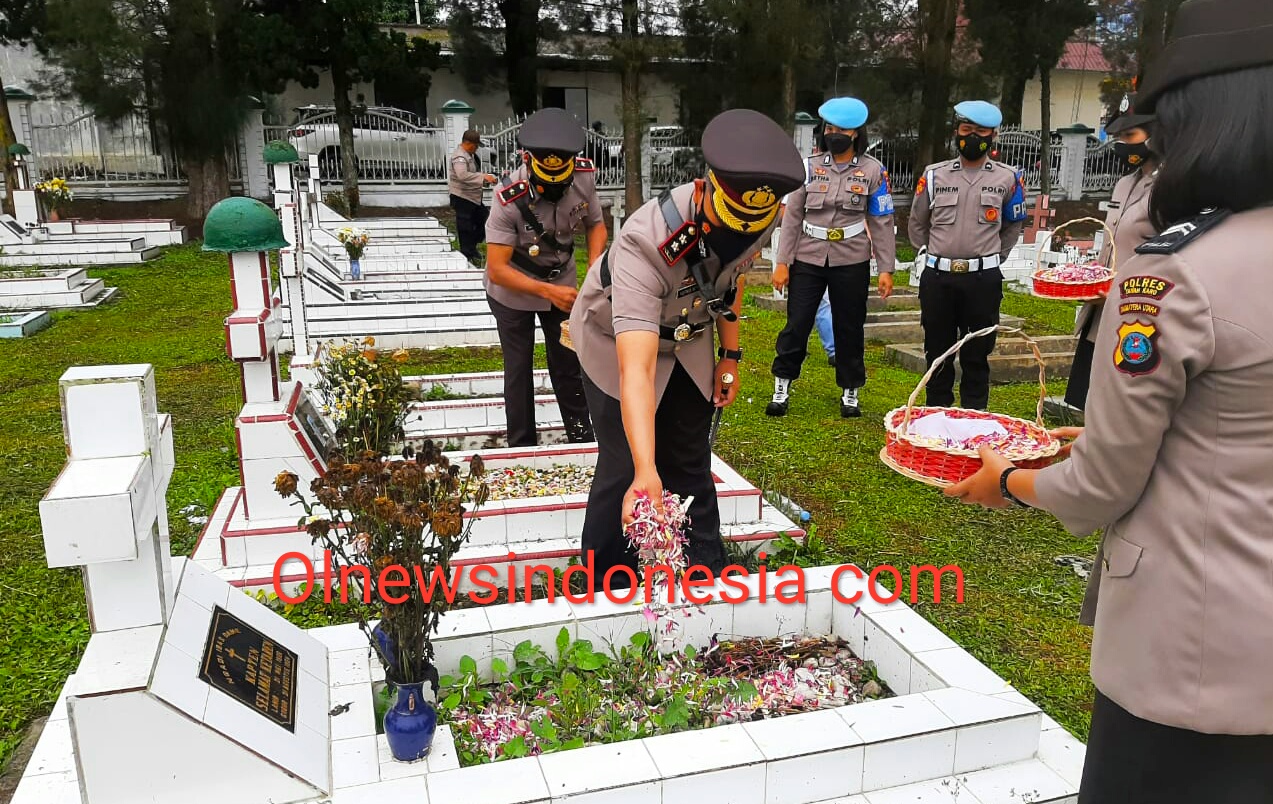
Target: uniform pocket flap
{"points": [[946, 199], [814, 199], [991, 199], [1121, 556]]}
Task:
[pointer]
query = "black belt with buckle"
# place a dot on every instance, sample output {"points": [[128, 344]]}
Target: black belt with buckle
{"points": [[538, 271]]}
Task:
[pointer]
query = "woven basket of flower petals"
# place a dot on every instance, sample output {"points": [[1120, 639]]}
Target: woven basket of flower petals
{"points": [[939, 446], [1074, 282]]}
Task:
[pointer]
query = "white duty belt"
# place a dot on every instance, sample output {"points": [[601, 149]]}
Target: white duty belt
{"points": [[833, 235], [963, 266]]}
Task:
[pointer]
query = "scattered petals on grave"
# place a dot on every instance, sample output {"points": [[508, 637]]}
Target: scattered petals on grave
{"points": [[582, 697], [521, 482]]}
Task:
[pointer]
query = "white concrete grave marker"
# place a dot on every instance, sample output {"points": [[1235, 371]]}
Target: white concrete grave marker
{"points": [[217, 695]]}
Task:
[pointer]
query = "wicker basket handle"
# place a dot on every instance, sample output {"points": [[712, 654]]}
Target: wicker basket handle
{"points": [[1113, 249], [1034, 347]]}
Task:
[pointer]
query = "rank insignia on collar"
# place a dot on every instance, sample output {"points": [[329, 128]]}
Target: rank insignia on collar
{"points": [[678, 243], [513, 192], [583, 163], [1149, 287], [859, 174], [1137, 349], [1177, 237]]}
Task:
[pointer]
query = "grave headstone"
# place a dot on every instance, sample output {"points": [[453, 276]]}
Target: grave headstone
{"points": [[219, 697], [1039, 215]]}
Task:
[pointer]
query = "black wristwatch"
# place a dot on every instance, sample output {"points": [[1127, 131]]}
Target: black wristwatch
{"points": [[729, 354], [1003, 488]]}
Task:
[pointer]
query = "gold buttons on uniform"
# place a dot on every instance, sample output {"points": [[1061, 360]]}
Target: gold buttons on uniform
{"points": [[534, 250]]}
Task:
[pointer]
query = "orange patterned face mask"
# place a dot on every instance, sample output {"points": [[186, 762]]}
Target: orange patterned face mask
{"points": [[749, 211]]}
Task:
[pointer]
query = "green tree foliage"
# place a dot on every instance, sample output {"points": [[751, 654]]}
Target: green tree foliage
{"points": [[490, 34], [21, 22], [186, 64], [302, 39], [1132, 33], [1022, 38]]}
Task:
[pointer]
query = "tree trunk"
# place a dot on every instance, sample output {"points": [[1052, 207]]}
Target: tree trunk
{"points": [[7, 138], [1013, 99], [345, 125], [633, 124], [1045, 133], [789, 94], [521, 46], [208, 182], [937, 28]]}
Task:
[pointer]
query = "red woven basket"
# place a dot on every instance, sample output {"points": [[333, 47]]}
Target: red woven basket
{"points": [[938, 463], [1069, 290]]}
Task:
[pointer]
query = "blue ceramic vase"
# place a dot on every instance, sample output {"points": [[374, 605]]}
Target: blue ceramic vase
{"points": [[410, 724], [355, 269]]}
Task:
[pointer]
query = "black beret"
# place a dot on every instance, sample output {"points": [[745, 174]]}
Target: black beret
{"points": [[1210, 37], [552, 131], [746, 151]]}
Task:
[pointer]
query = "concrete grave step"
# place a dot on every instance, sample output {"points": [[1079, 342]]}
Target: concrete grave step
{"points": [[90, 294], [904, 327], [136, 257], [1011, 361], [22, 325], [43, 281], [465, 420], [72, 245], [900, 300], [157, 231], [479, 384], [458, 311]]}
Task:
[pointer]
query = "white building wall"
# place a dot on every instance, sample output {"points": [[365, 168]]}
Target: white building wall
{"points": [[1067, 87]]}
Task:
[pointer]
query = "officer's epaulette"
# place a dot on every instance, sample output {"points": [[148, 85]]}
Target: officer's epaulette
{"points": [[514, 191], [584, 164], [1177, 237], [679, 242]]}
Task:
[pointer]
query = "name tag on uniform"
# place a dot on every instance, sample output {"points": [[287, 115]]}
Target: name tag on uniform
{"points": [[688, 286]]}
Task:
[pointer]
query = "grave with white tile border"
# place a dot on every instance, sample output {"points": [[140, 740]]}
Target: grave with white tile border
{"points": [[160, 639]]}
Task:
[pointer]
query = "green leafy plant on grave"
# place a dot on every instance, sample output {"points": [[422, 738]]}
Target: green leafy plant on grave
{"points": [[584, 696]]}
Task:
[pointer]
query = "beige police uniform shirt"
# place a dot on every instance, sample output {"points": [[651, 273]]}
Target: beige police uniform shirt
{"points": [[466, 178], [646, 293], [577, 211], [1128, 217], [854, 194], [1176, 465], [963, 213]]}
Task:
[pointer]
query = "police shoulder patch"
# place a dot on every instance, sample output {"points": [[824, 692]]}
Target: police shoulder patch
{"points": [[678, 243], [584, 164], [1137, 349], [513, 192], [1145, 286], [1177, 237]]}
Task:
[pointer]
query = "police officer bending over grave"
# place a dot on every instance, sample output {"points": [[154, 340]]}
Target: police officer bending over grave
{"points": [[969, 212], [530, 267], [643, 329]]}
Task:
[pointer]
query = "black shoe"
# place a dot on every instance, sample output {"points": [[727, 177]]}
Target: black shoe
{"points": [[777, 408], [831, 361], [850, 409]]}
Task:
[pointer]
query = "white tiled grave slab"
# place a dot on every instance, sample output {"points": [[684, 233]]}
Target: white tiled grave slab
{"points": [[539, 531], [924, 745]]}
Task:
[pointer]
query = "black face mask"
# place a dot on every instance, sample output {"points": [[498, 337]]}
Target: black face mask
{"points": [[724, 242], [972, 146], [552, 192], [1131, 156], [838, 143]]}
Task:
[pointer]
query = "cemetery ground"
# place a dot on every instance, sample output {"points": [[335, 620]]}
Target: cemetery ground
{"points": [[1019, 615]]}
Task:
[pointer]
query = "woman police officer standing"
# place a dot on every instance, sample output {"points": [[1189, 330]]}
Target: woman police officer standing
{"points": [[1128, 218], [643, 328], [1176, 460], [832, 225]]}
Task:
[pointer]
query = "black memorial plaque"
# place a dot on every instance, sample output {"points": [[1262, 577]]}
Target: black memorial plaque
{"points": [[251, 668]]}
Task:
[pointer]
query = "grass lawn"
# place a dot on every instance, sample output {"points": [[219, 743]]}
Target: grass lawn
{"points": [[1019, 613]]}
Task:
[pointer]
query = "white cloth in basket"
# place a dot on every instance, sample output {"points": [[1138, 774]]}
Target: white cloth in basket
{"points": [[939, 425]]}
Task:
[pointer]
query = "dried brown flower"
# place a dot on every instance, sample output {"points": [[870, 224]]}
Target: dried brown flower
{"points": [[402, 355], [318, 527], [448, 520], [285, 483]]}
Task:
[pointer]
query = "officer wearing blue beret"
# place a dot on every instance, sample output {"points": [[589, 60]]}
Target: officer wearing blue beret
{"points": [[833, 225], [968, 212]]}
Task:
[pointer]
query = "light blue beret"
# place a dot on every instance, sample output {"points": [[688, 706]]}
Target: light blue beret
{"points": [[980, 113], [844, 112]]}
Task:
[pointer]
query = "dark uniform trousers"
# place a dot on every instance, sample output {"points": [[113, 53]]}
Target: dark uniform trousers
{"points": [[1081, 368], [848, 287], [1131, 760], [517, 342], [683, 458], [951, 306], [470, 226]]}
